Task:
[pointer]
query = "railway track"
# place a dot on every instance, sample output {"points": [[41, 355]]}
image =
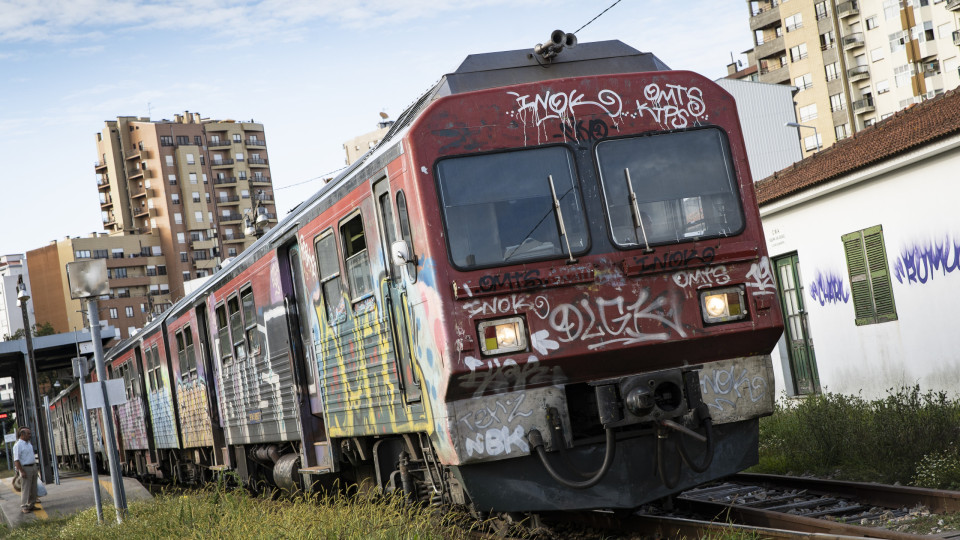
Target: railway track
{"points": [[780, 507]]}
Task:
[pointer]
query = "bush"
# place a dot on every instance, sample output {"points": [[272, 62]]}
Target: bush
{"points": [[884, 440], [939, 470]]}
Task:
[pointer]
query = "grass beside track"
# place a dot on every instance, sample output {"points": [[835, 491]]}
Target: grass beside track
{"points": [[908, 437], [232, 513]]}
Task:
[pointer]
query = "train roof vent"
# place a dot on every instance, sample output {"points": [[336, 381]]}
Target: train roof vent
{"points": [[490, 70]]}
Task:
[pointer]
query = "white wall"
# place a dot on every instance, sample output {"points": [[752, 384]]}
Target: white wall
{"points": [[916, 203]]}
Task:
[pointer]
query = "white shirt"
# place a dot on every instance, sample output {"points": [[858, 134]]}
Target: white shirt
{"points": [[23, 452]]}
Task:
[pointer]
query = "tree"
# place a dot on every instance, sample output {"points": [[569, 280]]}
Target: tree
{"points": [[16, 335], [45, 329]]}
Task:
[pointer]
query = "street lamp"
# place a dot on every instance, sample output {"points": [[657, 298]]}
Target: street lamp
{"points": [[255, 226], [816, 136], [34, 391]]}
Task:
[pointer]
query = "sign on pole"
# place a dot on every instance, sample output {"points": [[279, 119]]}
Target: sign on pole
{"points": [[115, 392]]}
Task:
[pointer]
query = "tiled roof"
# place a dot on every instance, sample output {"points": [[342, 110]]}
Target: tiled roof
{"points": [[904, 131]]}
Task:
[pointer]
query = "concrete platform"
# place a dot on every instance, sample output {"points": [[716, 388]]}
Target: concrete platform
{"points": [[75, 493]]}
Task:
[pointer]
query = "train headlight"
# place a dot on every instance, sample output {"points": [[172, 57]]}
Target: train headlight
{"points": [[723, 305], [502, 336]]}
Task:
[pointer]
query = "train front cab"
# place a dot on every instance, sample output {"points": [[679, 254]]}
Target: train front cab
{"points": [[609, 304]]}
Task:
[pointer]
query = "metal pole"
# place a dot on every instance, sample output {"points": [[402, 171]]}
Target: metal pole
{"points": [[119, 496], [6, 446], [35, 396], [80, 372], [53, 449]]}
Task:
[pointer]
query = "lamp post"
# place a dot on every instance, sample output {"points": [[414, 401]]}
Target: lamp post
{"points": [[254, 227], [34, 391], [816, 135]]}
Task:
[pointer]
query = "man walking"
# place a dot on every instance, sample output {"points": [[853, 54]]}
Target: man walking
{"points": [[26, 464]]}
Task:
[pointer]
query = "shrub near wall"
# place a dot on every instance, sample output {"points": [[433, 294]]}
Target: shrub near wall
{"points": [[906, 437]]}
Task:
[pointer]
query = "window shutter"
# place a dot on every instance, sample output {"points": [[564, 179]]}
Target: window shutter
{"points": [[859, 282], [879, 274]]}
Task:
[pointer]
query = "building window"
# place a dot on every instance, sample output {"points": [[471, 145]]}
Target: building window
{"points": [[166, 141], [869, 276], [172, 178], [190, 160], [832, 71], [901, 75], [891, 9], [81, 254], [175, 198], [231, 252], [842, 131], [129, 311], [119, 272], [237, 138], [828, 40], [871, 22], [798, 52], [808, 112], [238, 156], [867, 122], [113, 313], [161, 269], [198, 216], [183, 139], [143, 308], [186, 276], [183, 257], [193, 178], [876, 54], [178, 218], [836, 102], [181, 238], [169, 160], [793, 22], [803, 82], [197, 140], [117, 253], [196, 196], [898, 40], [821, 9], [883, 86], [812, 142]]}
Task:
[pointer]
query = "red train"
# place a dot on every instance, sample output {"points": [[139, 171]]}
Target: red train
{"points": [[546, 288]]}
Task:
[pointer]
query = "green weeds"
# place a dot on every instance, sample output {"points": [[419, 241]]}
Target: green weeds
{"points": [[905, 437]]}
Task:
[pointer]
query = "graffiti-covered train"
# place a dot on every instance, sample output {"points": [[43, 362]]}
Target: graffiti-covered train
{"points": [[546, 288]]}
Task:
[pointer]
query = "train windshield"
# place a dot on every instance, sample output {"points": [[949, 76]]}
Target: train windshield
{"points": [[684, 185], [499, 207]]}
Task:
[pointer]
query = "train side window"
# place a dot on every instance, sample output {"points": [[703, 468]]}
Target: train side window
{"points": [[127, 384], [236, 328], [250, 322], [223, 335], [190, 351], [153, 368], [181, 354], [355, 257], [329, 271]]}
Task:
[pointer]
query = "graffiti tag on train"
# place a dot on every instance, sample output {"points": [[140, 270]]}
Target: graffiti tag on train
{"points": [[674, 259], [605, 321], [594, 130], [562, 105], [732, 384]]}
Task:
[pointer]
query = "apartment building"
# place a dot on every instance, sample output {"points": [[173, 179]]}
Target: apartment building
{"points": [[196, 184], [11, 316], [356, 147], [136, 274], [855, 62]]}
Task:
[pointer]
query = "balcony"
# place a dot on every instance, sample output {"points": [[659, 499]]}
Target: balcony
{"points": [[141, 192], [228, 218], [858, 73], [205, 264], [953, 5], [764, 17], [103, 183], [228, 180], [99, 166], [847, 9], [260, 180], [863, 106], [852, 41], [106, 203], [956, 37], [231, 200], [259, 143], [218, 144], [132, 281], [260, 162], [141, 212], [775, 76], [221, 163], [770, 48], [136, 259], [198, 245], [231, 238]]}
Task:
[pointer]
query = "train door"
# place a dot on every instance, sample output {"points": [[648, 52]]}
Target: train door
{"points": [[220, 453], [145, 403], [396, 294], [803, 362], [303, 358]]}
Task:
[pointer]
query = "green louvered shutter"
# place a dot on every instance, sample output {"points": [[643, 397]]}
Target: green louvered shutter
{"points": [[869, 276], [886, 310]]}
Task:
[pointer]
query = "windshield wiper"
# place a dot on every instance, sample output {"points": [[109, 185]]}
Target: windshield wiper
{"points": [[559, 214], [637, 220]]}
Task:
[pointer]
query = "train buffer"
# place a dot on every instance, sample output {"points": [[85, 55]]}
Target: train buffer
{"points": [[74, 494]]}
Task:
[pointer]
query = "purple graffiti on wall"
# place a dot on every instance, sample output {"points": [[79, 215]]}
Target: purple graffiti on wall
{"points": [[828, 287], [919, 262]]}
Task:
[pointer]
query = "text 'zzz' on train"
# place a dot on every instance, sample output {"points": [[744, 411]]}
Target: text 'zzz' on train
{"points": [[546, 288]]}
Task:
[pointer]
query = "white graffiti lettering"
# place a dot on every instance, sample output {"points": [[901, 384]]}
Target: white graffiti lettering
{"points": [[762, 277], [710, 276], [729, 385], [607, 321], [501, 412], [673, 105], [542, 343], [508, 304], [497, 441], [562, 105]]}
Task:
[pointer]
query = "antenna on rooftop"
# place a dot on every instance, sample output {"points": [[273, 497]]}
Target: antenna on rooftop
{"points": [[149, 109]]}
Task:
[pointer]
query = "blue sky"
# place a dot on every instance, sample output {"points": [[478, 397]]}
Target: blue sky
{"points": [[314, 72]]}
